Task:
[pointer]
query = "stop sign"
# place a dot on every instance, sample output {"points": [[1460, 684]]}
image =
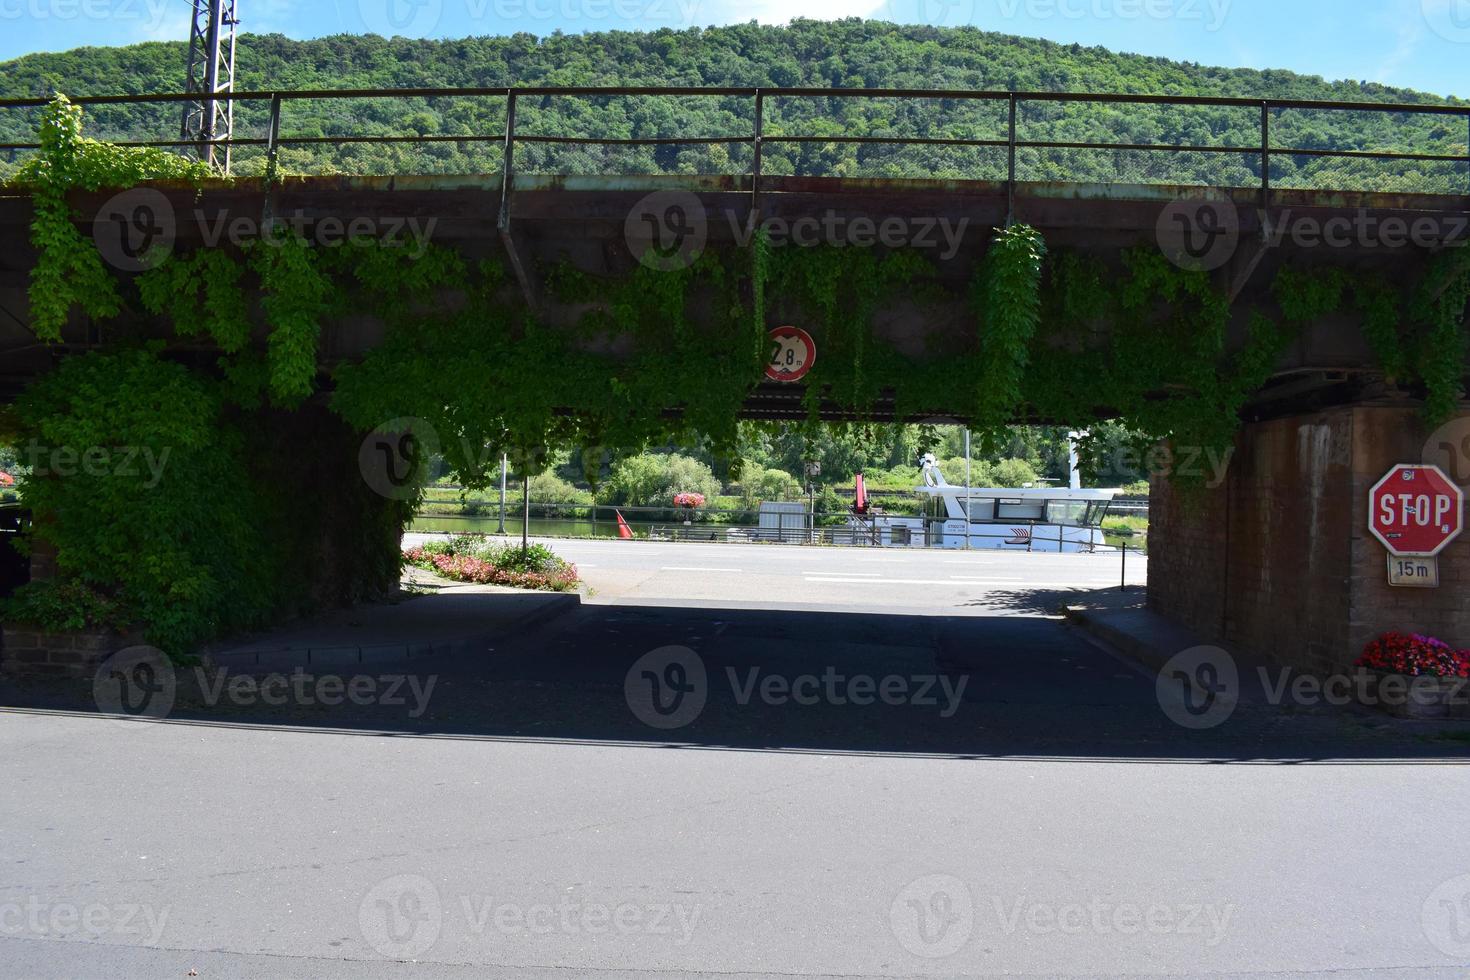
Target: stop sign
{"points": [[1416, 511]]}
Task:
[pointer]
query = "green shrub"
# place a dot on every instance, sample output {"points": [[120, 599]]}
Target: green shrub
{"points": [[143, 448], [62, 606]]}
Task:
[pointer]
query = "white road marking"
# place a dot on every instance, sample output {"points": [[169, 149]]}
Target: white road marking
{"points": [[690, 568], [892, 581]]}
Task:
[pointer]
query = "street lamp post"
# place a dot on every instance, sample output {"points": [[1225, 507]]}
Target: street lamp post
{"points": [[813, 470], [968, 483], [504, 466], [525, 513]]}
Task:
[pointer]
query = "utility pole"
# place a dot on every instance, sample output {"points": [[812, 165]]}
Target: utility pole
{"points": [[209, 121]]}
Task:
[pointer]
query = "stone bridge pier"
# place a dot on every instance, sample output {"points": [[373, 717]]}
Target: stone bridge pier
{"points": [[1278, 559]]}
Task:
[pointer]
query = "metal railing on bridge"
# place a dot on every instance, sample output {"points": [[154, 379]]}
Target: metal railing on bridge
{"points": [[968, 135]]}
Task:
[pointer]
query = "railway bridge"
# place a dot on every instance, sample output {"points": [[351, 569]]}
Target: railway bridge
{"points": [[1276, 555]]}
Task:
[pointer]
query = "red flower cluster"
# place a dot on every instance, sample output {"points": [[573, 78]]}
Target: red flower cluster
{"points": [[466, 568], [1414, 655], [689, 500]]}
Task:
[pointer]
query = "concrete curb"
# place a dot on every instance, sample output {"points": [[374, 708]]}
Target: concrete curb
{"points": [[1132, 646], [336, 657]]}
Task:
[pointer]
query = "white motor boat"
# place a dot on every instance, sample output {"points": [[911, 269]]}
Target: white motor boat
{"points": [[1053, 519]]}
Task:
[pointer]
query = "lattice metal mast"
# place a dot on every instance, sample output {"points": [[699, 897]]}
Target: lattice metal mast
{"points": [[210, 122]]}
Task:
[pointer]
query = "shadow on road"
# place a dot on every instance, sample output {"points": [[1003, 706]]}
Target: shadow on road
{"points": [[958, 687]]}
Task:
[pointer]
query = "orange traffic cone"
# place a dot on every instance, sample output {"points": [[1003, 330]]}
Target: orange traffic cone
{"points": [[624, 531]]}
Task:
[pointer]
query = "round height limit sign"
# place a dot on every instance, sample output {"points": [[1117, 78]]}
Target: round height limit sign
{"points": [[1416, 511], [793, 352]]}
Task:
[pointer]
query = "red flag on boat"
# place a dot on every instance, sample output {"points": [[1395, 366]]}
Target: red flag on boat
{"points": [[624, 531], [861, 506]]}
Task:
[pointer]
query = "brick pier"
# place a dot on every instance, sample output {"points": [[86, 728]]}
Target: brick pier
{"points": [[1279, 560]]}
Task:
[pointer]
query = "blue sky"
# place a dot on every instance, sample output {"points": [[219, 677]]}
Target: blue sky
{"points": [[1421, 44]]}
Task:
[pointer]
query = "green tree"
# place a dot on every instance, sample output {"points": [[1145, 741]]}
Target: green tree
{"points": [[652, 480]]}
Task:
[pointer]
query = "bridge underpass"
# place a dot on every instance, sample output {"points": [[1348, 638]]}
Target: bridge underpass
{"points": [[1278, 559]]}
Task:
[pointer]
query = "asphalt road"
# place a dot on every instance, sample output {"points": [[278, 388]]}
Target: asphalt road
{"points": [[798, 578], [884, 781]]}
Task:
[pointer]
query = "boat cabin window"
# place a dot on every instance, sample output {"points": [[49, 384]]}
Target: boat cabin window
{"points": [[982, 510], [935, 510], [1070, 513], [1020, 510]]}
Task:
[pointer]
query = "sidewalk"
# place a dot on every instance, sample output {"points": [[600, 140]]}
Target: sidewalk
{"points": [[442, 619], [1124, 622]]}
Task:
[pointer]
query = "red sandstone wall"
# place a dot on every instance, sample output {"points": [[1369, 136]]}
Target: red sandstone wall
{"points": [[1384, 437]]}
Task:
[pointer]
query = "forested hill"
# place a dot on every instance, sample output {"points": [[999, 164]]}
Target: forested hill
{"points": [[846, 54], [843, 54]]}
